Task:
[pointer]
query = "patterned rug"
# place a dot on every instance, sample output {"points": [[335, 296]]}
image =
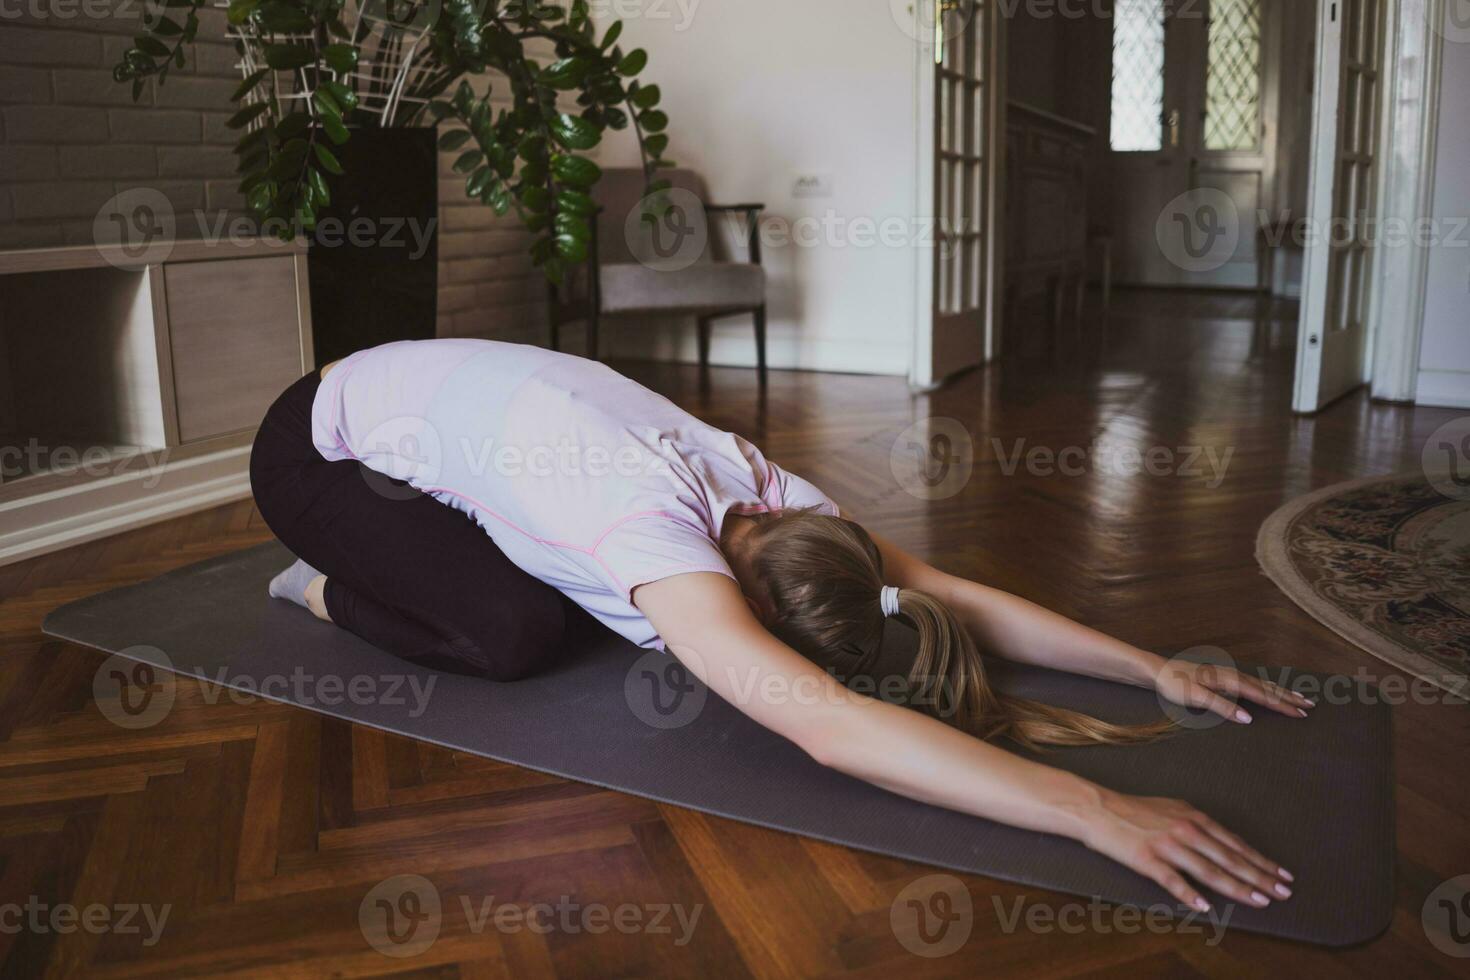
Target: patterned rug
{"points": [[1385, 563]]}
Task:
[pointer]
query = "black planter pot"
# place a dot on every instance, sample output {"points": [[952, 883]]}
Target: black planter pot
{"points": [[374, 257]]}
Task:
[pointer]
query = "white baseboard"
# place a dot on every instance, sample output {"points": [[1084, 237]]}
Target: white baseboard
{"points": [[1447, 389], [58, 519]]}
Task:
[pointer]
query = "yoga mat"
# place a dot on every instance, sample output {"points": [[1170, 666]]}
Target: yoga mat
{"points": [[1315, 794]]}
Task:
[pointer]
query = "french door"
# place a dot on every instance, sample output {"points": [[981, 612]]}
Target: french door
{"points": [[1193, 150], [1333, 335], [959, 93]]}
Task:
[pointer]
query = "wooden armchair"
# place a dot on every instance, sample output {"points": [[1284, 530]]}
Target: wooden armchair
{"points": [[639, 266]]}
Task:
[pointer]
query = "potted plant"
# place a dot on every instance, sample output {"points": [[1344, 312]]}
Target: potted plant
{"points": [[322, 75]]}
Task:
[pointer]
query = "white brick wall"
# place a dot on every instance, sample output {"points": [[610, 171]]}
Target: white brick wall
{"points": [[71, 138]]}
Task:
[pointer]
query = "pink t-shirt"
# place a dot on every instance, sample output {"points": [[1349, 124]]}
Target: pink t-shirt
{"points": [[585, 479]]}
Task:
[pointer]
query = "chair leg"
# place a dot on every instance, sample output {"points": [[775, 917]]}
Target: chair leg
{"points": [[704, 327], [760, 342], [592, 334]]}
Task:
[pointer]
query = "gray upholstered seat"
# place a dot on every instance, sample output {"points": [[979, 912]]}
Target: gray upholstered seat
{"points": [[669, 264]]}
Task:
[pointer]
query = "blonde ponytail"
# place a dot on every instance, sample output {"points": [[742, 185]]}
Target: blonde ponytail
{"points": [[824, 576], [949, 674]]}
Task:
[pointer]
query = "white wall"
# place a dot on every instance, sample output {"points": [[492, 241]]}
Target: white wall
{"points": [[757, 92], [1444, 354]]}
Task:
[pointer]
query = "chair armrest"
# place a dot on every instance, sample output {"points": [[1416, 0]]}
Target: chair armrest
{"points": [[735, 207]]}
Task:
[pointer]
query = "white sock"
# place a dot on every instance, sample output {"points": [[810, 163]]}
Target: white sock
{"points": [[291, 584]]}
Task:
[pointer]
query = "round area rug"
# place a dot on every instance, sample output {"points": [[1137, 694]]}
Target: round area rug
{"points": [[1385, 563]]}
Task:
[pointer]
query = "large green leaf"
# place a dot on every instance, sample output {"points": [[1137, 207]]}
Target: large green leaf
{"points": [[468, 161], [281, 17], [284, 57], [250, 81], [454, 139], [633, 62], [327, 159], [577, 171], [243, 117], [646, 97], [341, 58], [574, 132]]}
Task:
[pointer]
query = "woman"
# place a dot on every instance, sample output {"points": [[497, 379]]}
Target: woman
{"points": [[467, 504]]}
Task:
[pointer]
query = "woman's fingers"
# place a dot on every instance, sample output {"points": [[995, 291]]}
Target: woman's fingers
{"points": [[1236, 863], [1262, 692], [1173, 882], [1202, 697], [1199, 867], [1239, 846]]}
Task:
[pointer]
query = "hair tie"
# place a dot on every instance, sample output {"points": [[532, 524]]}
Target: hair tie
{"points": [[888, 599]]}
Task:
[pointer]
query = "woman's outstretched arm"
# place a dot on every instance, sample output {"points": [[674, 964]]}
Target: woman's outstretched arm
{"points": [[705, 622], [1020, 630]]}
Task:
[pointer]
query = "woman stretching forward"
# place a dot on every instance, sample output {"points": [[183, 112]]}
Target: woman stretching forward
{"points": [[466, 504]]}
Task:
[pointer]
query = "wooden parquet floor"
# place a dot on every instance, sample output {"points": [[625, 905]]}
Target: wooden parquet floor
{"points": [[260, 830]]}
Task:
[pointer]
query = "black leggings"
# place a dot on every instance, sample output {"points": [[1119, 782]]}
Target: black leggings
{"points": [[406, 573]]}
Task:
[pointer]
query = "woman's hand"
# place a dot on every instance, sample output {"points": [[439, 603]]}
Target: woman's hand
{"points": [[1167, 839], [1217, 688]]}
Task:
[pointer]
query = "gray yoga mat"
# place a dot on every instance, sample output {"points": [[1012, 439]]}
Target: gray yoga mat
{"points": [[1315, 794]]}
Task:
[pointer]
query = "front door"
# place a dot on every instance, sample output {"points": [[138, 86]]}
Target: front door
{"points": [[1192, 149]]}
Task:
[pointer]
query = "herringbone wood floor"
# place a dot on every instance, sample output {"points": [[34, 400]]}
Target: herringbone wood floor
{"points": [[263, 826]]}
